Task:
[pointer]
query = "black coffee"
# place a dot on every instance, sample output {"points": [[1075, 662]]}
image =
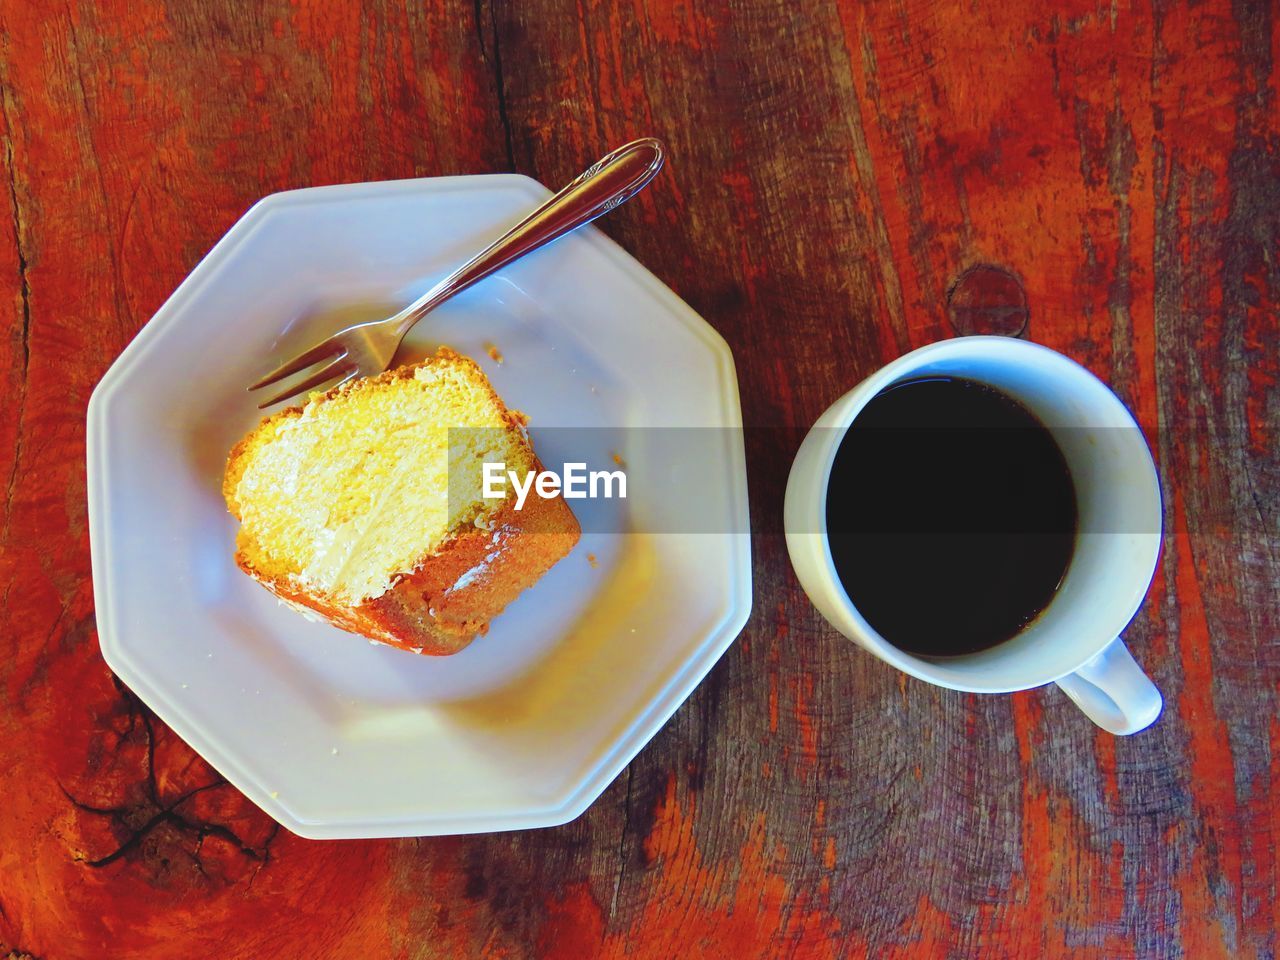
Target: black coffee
{"points": [[951, 515]]}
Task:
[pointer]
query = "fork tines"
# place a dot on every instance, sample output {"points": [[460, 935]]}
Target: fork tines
{"points": [[322, 351]]}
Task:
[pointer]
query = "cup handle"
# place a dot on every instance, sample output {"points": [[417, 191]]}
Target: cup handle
{"points": [[1113, 691]]}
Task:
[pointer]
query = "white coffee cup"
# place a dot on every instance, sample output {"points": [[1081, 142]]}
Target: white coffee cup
{"points": [[1074, 641]]}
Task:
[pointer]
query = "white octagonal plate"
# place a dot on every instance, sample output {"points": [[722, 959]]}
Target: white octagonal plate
{"points": [[337, 737]]}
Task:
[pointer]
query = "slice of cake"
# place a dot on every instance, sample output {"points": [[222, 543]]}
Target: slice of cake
{"points": [[364, 505]]}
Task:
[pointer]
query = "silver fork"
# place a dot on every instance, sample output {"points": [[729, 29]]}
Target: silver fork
{"points": [[365, 349]]}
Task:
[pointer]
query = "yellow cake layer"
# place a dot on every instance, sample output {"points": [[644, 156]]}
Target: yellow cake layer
{"points": [[352, 491]]}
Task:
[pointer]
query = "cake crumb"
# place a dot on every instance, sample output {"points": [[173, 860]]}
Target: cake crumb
{"points": [[494, 353], [617, 458], [275, 794], [591, 559], [334, 751]]}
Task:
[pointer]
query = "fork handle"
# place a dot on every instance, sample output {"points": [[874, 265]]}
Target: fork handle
{"points": [[607, 183]]}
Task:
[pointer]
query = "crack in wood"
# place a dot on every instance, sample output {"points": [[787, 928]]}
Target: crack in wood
{"points": [[172, 815], [266, 854], [24, 288], [152, 789], [622, 840], [157, 812], [501, 85], [478, 18], [1122, 157]]}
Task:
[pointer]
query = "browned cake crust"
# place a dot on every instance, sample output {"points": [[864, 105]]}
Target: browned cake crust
{"points": [[448, 601], [424, 611]]}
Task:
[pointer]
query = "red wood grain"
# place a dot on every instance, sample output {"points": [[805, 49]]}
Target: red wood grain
{"points": [[835, 169]]}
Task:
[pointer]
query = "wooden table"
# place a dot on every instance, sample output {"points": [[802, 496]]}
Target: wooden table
{"points": [[835, 169]]}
